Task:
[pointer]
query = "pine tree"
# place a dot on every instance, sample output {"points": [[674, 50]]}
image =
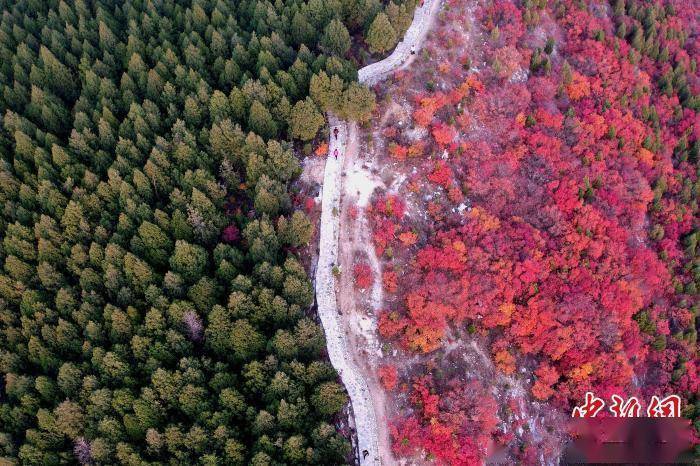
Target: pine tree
{"points": [[261, 122], [336, 38], [305, 120], [381, 35], [358, 103]]}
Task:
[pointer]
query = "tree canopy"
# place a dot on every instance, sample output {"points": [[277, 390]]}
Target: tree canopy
{"points": [[153, 308]]}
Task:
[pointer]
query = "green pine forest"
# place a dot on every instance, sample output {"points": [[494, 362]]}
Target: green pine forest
{"points": [[153, 306]]}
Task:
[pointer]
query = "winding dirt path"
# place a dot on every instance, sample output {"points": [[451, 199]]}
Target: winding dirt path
{"points": [[365, 403]]}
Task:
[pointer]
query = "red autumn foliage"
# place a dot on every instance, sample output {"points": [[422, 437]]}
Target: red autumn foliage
{"points": [[441, 174], [385, 213], [322, 149], [574, 260], [384, 235], [397, 151], [362, 274], [391, 325], [579, 87], [389, 206], [506, 61], [390, 281], [309, 205], [428, 106], [454, 427], [389, 377], [443, 134]]}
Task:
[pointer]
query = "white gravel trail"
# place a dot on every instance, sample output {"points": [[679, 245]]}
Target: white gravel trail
{"points": [[360, 396], [401, 56]]}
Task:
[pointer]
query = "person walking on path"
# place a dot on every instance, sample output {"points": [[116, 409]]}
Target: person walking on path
{"points": [[335, 153], [335, 132]]}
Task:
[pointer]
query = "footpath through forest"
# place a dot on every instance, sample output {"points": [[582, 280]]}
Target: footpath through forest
{"points": [[361, 397]]}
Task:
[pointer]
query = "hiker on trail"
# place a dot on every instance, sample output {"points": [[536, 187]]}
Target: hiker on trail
{"points": [[413, 50], [335, 132], [335, 153]]}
